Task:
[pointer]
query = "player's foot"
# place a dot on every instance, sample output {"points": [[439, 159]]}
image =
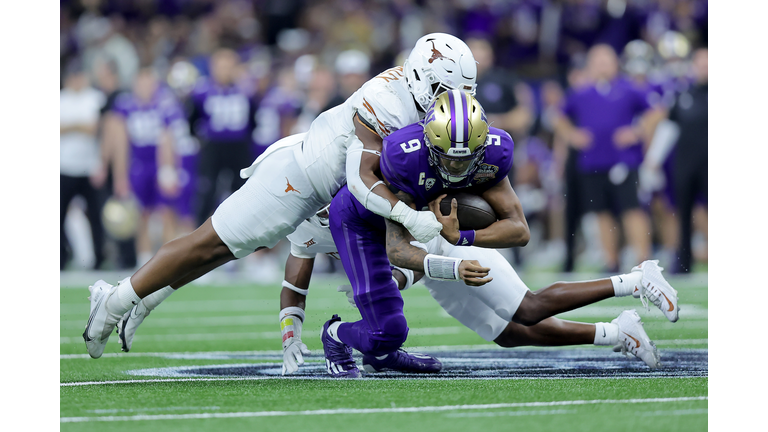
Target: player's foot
{"points": [[101, 322], [338, 355], [655, 288], [632, 338], [403, 362], [126, 327]]}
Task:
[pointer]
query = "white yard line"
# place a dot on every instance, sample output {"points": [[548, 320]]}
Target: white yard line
{"points": [[217, 355], [439, 408]]}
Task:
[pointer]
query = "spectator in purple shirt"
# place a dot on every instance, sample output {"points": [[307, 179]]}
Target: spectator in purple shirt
{"points": [[606, 122], [221, 119]]}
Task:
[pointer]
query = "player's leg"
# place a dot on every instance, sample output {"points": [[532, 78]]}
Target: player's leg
{"points": [[68, 189], [257, 215], [609, 239]]}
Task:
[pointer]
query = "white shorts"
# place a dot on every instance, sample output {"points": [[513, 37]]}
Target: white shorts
{"points": [[486, 309], [275, 199]]}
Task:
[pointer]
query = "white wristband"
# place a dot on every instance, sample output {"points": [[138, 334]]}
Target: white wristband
{"points": [[408, 273], [439, 267]]}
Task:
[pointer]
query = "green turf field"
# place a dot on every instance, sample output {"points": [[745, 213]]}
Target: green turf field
{"points": [[236, 327]]}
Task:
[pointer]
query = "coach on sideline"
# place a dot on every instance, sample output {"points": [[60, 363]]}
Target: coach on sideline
{"points": [[606, 121]]}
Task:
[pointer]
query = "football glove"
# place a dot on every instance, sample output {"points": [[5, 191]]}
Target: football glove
{"points": [[423, 225], [294, 350]]}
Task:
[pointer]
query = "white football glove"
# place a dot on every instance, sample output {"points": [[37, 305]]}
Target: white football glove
{"points": [[294, 350], [423, 225], [347, 289]]}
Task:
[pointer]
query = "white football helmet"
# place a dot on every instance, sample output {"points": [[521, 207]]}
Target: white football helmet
{"points": [[439, 62]]}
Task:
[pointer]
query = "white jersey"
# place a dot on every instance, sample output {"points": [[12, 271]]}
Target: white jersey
{"points": [[384, 102], [311, 238]]}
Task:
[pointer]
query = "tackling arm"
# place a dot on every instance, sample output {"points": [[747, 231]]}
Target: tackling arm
{"points": [[363, 159]]}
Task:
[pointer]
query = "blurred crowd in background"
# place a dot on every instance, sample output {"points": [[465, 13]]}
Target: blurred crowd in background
{"points": [[164, 101]]}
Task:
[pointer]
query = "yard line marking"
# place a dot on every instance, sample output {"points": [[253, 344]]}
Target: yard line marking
{"points": [[673, 412], [216, 355], [438, 408], [510, 413], [426, 331], [178, 408]]}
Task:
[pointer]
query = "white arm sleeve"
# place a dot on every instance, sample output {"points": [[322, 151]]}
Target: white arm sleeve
{"points": [[663, 140], [363, 193]]}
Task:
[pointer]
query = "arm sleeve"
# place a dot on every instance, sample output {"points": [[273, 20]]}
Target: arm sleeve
{"points": [[375, 203]]}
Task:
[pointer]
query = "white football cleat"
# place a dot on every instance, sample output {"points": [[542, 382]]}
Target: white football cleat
{"points": [[632, 338], [655, 288], [126, 327], [101, 322]]}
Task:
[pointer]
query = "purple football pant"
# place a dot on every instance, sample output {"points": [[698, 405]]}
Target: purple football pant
{"points": [[182, 203], [360, 237], [142, 176]]}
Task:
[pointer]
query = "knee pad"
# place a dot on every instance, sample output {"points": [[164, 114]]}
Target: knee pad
{"points": [[394, 332]]}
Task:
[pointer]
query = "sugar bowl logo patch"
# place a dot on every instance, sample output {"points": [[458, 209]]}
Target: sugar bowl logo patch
{"points": [[485, 173], [429, 183]]}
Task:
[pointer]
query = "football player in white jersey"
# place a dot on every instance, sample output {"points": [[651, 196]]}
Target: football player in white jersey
{"points": [[297, 176]]}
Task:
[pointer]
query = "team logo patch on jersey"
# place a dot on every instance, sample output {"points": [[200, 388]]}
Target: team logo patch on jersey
{"points": [[429, 183], [485, 173], [310, 242]]}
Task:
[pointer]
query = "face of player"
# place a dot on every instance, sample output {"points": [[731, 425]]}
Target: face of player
{"points": [[223, 66], [145, 85], [602, 63], [482, 52]]}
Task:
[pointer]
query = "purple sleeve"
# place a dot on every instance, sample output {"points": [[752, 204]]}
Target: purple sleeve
{"points": [[500, 156], [122, 105], [640, 97]]}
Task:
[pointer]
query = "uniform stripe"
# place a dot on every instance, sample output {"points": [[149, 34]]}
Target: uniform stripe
{"points": [[465, 117], [457, 119]]}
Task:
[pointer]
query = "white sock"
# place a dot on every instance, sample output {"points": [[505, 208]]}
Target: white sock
{"points": [[623, 285], [606, 334], [333, 331], [124, 299], [153, 300]]}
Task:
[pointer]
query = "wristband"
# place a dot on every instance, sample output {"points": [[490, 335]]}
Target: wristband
{"points": [[466, 238], [291, 319], [408, 273], [439, 267]]}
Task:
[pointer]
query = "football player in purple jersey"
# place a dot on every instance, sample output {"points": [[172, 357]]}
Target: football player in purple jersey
{"points": [[144, 160], [455, 149]]}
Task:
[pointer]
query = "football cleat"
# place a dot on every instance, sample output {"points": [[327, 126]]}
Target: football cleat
{"points": [[126, 327], [633, 339], [101, 322], [655, 288], [402, 361], [338, 355]]}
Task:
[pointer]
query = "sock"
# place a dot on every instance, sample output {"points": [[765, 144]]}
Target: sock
{"points": [[124, 299], [606, 333], [623, 285], [333, 331], [153, 300]]}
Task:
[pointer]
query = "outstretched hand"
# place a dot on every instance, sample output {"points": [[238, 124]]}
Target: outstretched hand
{"points": [[473, 274], [451, 222]]}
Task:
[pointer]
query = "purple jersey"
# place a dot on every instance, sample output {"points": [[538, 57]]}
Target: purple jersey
{"points": [[145, 121], [220, 114], [277, 105], [602, 110], [405, 164]]}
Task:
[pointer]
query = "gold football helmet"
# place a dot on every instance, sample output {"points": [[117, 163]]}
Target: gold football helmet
{"points": [[455, 132]]}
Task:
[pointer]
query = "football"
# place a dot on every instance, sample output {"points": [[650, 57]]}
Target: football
{"points": [[474, 212]]}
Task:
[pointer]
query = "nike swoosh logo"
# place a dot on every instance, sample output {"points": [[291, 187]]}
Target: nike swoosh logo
{"points": [[90, 320], [636, 341], [671, 307], [134, 315], [621, 280], [603, 331]]}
